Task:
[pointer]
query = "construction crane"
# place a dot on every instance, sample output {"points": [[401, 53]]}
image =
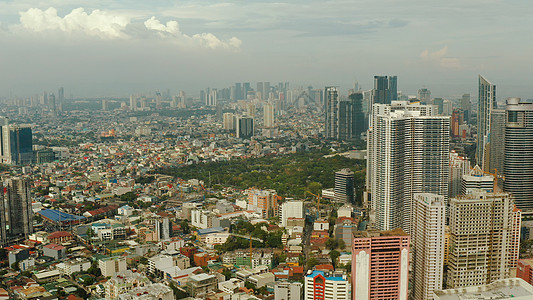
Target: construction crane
{"points": [[250, 238], [317, 204]]}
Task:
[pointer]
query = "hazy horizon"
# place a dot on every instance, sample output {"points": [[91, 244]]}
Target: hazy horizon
{"points": [[101, 48]]}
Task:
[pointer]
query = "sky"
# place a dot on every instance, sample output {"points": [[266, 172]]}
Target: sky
{"points": [[97, 48]]}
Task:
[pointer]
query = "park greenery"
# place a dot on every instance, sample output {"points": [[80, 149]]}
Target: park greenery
{"points": [[290, 175], [270, 239]]}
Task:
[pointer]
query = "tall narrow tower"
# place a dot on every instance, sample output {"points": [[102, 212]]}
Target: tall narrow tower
{"points": [[20, 214], [518, 157], [487, 102], [429, 221], [331, 99]]}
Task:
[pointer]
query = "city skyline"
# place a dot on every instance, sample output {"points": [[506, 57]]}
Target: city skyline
{"points": [[110, 49]]}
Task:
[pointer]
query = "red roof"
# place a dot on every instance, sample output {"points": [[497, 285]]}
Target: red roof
{"points": [[59, 234], [324, 267], [54, 247]]}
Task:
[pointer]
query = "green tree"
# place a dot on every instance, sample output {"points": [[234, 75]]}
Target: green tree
{"points": [[331, 243], [341, 244], [88, 281], [81, 293], [311, 262], [15, 266], [227, 274], [334, 254]]}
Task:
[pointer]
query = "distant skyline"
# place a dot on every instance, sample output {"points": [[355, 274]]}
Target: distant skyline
{"points": [[114, 48]]}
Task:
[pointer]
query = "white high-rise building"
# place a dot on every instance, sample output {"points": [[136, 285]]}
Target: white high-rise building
{"points": [[459, 166], [268, 115], [485, 236], [228, 121], [429, 221], [291, 209], [408, 152]]}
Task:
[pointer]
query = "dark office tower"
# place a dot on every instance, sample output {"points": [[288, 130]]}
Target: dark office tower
{"points": [[496, 144], [331, 100], [358, 116], [487, 102], [266, 90], [518, 157], [466, 106], [16, 144], [439, 103], [351, 118], [381, 90], [52, 103], [219, 111], [244, 127], [344, 186], [246, 87], [424, 95], [60, 99], [3, 223], [345, 119], [18, 199], [238, 92], [259, 91], [393, 89]]}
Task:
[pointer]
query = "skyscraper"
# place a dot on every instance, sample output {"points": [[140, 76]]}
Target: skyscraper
{"points": [[259, 91], [466, 107], [331, 99], [487, 102], [408, 152], [133, 102], [393, 89], [485, 230], [244, 127], [52, 103], [344, 186], [3, 221], [60, 98], [351, 119], [495, 147], [268, 115], [16, 144], [459, 166], [211, 97], [229, 121], [429, 221], [385, 89], [238, 92], [380, 265], [424, 95], [20, 214], [518, 157], [380, 93]]}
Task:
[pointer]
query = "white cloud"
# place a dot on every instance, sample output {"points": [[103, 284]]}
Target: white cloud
{"points": [[97, 23], [109, 25], [154, 24], [439, 57], [205, 40]]}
